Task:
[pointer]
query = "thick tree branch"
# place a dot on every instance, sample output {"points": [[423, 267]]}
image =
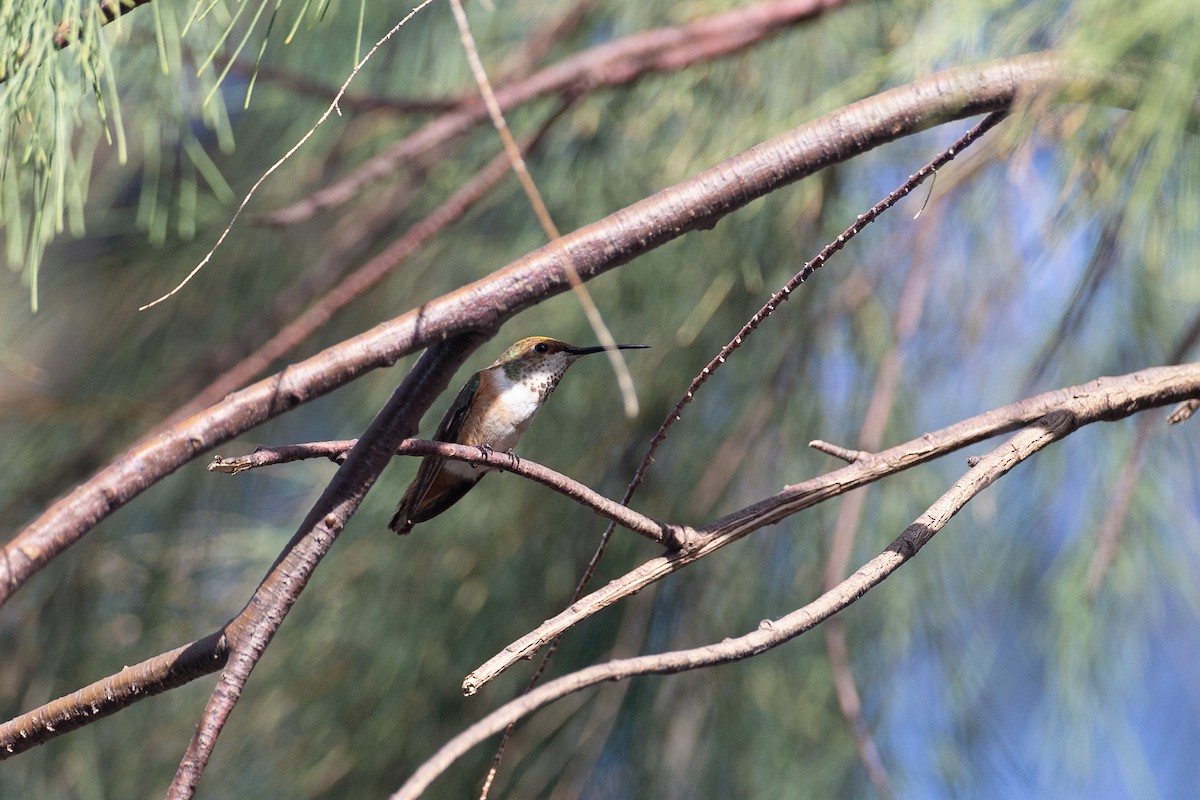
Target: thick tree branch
{"points": [[1101, 399], [770, 633], [252, 630], [153, 676], [693, 204]]}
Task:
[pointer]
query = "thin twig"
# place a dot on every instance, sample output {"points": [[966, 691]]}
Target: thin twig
{"points": [[624, 516], [262, 179], [594, 318]]}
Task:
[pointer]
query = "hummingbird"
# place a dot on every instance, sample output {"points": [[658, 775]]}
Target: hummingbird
{"points": [[491, 412]]}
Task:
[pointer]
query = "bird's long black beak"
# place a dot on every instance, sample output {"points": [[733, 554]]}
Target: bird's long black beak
{"points": [[583, 351]]}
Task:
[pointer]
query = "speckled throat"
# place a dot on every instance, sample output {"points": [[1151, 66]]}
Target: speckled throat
{"points": [[541, 375]]}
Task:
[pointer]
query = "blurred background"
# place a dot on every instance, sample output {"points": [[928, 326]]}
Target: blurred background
{"points": [[1044, 644]]}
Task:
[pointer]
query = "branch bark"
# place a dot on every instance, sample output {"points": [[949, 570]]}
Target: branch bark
{"points": [[624, 516], [252, 630], [696, 203], [1102, 399]]}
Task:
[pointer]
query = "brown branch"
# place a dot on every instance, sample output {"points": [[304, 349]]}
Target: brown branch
{"points": [[153, 676], [252, 630], [1101, 399], [611, 64], [336, 450], [696, 203], [770, 633]]}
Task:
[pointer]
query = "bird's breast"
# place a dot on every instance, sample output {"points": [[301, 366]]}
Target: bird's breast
{"points": [[505, 411]]}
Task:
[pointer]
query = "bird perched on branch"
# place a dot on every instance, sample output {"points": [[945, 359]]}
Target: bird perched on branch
{"points": [[491, 412]]}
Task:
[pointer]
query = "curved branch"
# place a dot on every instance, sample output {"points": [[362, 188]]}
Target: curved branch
{"points": [[624, 516], [770, 633], [696, 203], [1101, 399]]}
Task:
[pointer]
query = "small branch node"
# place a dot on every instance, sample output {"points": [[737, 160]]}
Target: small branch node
{"points": [[843, 453], [1183, 412], [681, 538]]}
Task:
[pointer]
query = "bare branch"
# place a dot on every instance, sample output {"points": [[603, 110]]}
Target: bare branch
{"points": [[696, 203], [252, 630], [624, 516], [153, 676], [1101, 399], [770, 633], [1105, 398]]}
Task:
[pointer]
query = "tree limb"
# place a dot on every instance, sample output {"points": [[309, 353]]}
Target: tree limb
{"points": [[251, 631], [1105, 398], [696, 203], [624, 516]]}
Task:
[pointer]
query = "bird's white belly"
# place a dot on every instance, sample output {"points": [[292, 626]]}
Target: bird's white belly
{"points": [[515, 407]]}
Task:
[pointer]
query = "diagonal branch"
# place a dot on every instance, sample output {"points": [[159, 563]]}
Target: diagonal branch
{"points": [[252, 630], [696, 203], [108, 696], [770, 633], [1101, 399]]}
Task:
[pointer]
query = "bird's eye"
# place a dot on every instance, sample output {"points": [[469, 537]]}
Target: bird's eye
{"points": [[541, 347]]}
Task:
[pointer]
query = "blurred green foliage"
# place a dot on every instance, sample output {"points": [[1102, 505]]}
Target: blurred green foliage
{"points": [[984, 669]]}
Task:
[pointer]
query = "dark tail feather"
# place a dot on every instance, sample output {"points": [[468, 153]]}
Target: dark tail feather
{"points": [[400, 523]]}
